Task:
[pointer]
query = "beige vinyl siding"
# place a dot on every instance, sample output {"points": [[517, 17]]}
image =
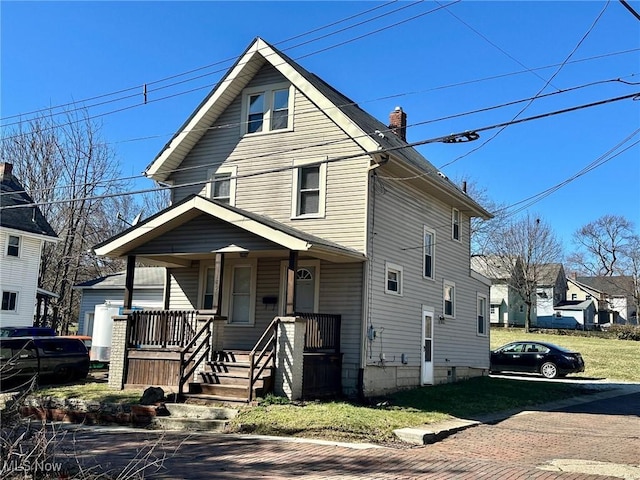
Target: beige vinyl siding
{"points": [[399, 214], [204, 234], [315, 138], [183, 288], [20, 274], [341, 293]]}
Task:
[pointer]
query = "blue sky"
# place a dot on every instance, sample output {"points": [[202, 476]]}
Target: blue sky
{"points": [[434, 62]]}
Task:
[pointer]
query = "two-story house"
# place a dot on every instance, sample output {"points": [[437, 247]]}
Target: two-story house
{"points": [[23, 233], [507, 307], [291, 202], [613, 297]]}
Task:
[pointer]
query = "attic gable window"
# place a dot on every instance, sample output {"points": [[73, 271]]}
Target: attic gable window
{"points": [[267, 109]]}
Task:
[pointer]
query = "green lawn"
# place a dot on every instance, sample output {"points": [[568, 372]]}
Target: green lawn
{"points": [[603, 357], [375, 422]]}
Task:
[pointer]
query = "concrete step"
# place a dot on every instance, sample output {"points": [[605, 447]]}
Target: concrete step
{"points": [[183, 410], [189, 424], [204, 399]]}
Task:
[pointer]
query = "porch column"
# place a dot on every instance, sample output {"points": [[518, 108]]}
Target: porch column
{"points": [[217, 284], [118, 356], [289, 360], [128, 283], [292, 268]]}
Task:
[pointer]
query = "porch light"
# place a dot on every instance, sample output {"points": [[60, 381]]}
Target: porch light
{"points": [[233, 248]]}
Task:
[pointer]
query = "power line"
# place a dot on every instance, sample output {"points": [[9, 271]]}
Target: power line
{"points": [[324, 143], [451, 138], [138, 88]]}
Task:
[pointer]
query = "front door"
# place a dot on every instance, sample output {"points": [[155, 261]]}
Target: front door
{"points": [[427, 346], [306, 300]]}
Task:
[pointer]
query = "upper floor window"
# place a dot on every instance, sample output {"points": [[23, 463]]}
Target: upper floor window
{"points": [[393, 279], [449, 299], [9, 301], [482, 315], [428, 245], [309, 191], [574, 296], [455, 224], [13, 246], [223, 185], [267, 109]]}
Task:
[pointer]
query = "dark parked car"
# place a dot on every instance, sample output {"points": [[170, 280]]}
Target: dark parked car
{"points": [[27, 332], [547, 359], [53, 359]]}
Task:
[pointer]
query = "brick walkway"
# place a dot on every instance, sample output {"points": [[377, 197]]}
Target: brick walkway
{"points": [[515, 448]]}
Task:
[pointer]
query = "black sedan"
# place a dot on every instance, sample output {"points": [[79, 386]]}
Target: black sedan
{"points": [[547, 359]]}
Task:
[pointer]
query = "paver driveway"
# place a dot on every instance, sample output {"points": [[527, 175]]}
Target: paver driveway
{"points": [[532, 445]]}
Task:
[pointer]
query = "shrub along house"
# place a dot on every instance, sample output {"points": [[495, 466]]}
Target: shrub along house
{"points": [[309, 233]]}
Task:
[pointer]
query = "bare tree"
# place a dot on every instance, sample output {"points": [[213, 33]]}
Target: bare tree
{"points": [[483, 230], [73, 176], [602, 246], [524, 247]]}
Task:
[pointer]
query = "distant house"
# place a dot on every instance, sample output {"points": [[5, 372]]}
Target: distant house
{"points": [[23, 233], [551, 291], [613, 297], [298, 216], [148, 292], [578, 314], [507, 307]]}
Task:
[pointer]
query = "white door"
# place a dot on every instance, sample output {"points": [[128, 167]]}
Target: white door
{"points": [[305, 289], [427, 346]]}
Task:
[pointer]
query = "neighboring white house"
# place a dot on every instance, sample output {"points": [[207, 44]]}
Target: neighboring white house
{"points": [[148, 292], [613, 297], [23, 233]]}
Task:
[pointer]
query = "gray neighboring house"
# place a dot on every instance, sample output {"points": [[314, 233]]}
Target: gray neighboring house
{"points": [[148, 292], [23, 233], [613, 297]]}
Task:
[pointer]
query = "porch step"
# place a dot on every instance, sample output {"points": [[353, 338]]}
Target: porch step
{"points": [[227, 376], [183, 417]]}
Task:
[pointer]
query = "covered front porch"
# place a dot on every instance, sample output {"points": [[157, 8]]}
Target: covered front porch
{"points": [[244, 297]]}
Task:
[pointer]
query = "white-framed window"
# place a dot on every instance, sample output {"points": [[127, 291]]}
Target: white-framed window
{"points": [[309, 186], [449, 298], [429, 242], [9, 301], [13, 246], [455, 224], [482, 315], [393, 279], [222, 187], [267, 109]]}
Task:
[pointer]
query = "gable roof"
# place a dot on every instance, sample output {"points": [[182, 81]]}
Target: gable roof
{"points": [[194, 205], [363, 128], [144, 278], [613, 286], [25, 219], [548, 273]]}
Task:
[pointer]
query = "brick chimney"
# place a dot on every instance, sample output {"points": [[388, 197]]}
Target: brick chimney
{"points": [[6, 169], [398, 123]]}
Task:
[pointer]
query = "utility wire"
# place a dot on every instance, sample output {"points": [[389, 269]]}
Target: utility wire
{"points": [[139, 87], [320, 144], [451, 138], [564, 62]]}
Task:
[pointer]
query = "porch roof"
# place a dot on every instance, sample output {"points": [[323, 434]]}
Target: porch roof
{"points": [[193, 206]]}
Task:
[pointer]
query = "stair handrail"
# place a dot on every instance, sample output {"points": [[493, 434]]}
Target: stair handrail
{"points": [[254, 369], [206, 344]]}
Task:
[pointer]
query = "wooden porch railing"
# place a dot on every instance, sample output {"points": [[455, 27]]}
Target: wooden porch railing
{"points": [[190, 360], [162, 328], [322, 333], [263, 354]]}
